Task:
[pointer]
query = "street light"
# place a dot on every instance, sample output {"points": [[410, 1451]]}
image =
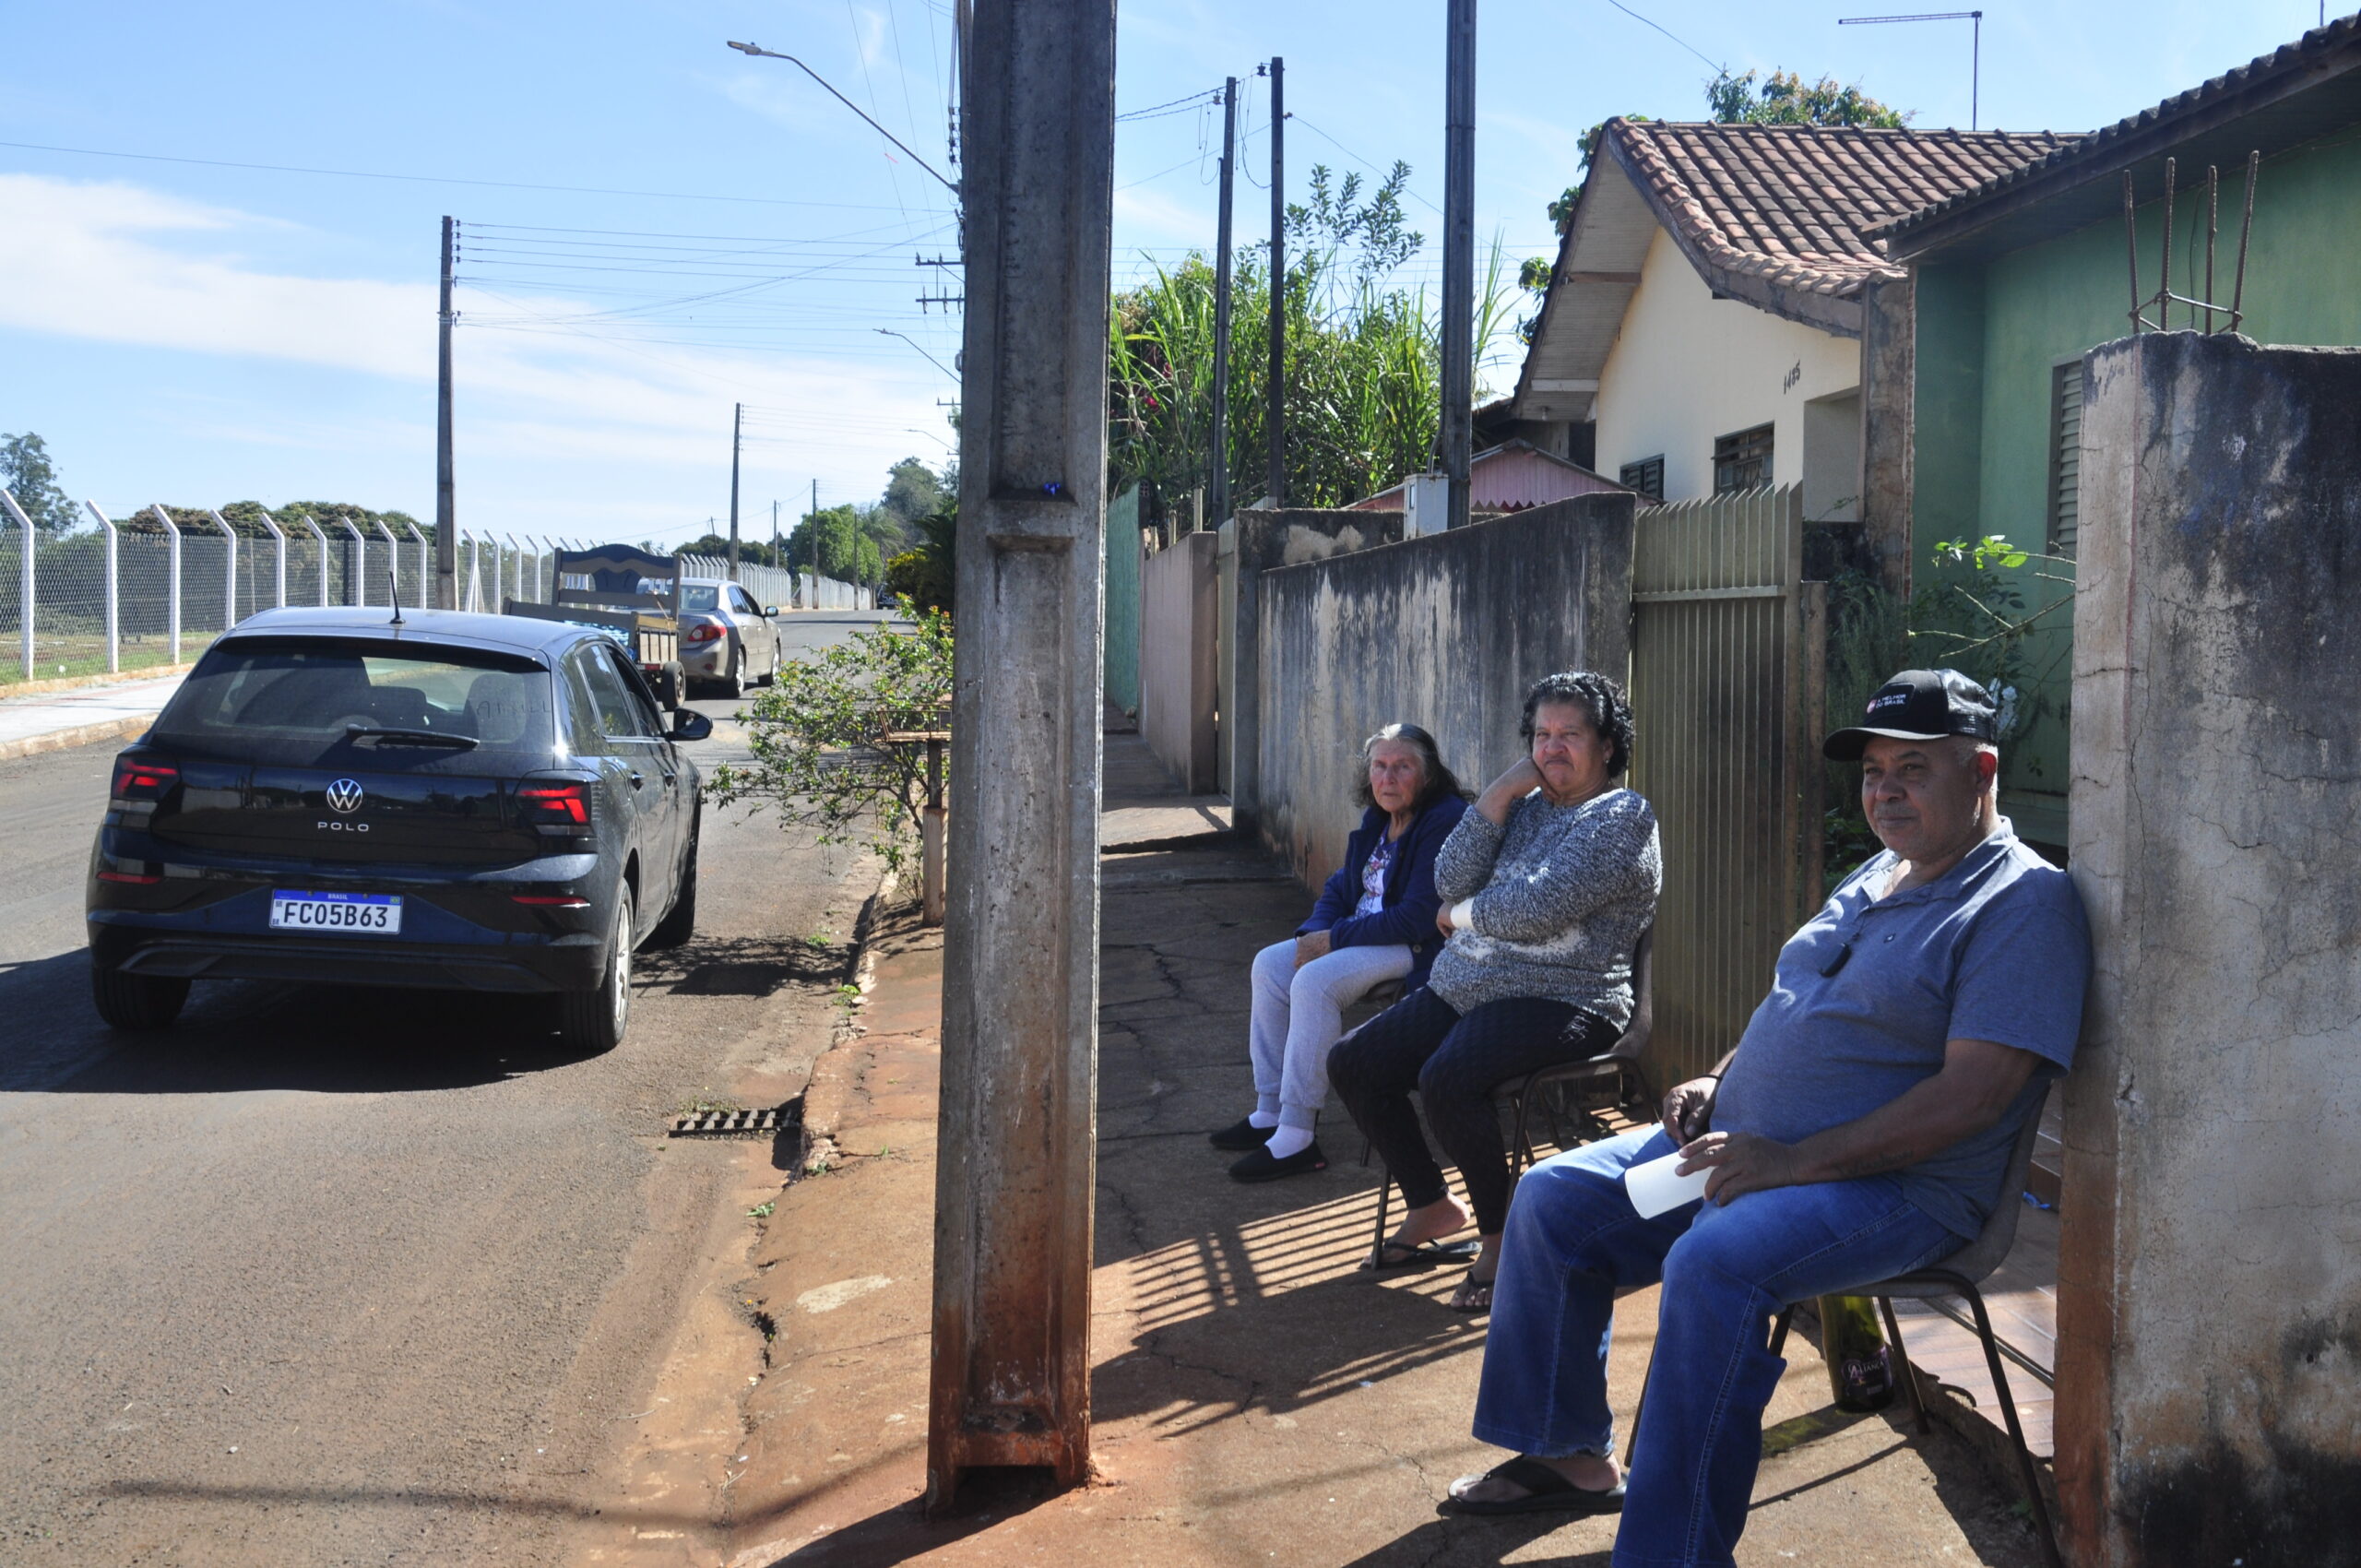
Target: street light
{"points": [[889, 332], [775, 54]]}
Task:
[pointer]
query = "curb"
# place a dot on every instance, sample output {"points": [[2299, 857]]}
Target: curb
{"points": [[832, 1077], [49, 684], [79, 735]]}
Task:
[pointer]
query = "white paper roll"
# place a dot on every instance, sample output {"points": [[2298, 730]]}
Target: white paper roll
{"points": [[1654, 1189]]}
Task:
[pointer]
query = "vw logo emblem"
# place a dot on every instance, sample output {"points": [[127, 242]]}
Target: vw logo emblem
{"points": [[344, 795]]}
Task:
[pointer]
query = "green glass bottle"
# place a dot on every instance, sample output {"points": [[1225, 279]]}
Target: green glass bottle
{"points": [[1860, 1365]]}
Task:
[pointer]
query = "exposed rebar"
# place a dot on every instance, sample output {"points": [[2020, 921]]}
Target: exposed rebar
{"points": [[2245, 228]]}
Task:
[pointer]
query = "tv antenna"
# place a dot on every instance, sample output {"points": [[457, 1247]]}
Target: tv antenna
{"points": [[1975, 46]]}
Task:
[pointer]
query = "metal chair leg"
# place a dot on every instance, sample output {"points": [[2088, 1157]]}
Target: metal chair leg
{"points": [[1384, 1201], [1779, 1331], [2034, 1502], [1902, 1363]]}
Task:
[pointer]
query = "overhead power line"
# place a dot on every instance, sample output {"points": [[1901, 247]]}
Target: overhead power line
{"points": [[443, 180], [1667, 33]]}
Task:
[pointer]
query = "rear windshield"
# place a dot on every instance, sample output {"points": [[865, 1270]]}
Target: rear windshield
{"points": [[693, 598], [313, 690]]}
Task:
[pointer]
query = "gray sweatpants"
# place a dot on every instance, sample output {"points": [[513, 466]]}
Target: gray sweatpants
{"points": [[1298, 1013]]}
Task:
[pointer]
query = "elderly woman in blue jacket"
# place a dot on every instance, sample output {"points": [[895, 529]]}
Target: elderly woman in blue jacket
{"points": [[1375, 921]]}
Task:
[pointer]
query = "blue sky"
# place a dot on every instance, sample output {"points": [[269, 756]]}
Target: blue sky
{"points": [[197, 334]]}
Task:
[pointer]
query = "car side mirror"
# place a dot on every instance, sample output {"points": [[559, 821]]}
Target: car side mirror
{"points": [[769, 611], [688, 724]]}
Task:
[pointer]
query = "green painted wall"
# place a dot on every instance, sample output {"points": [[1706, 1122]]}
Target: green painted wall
{"points": [[1989, 335], [1122, 658]]}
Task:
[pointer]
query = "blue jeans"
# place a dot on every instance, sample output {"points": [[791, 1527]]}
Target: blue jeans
{"points": [[1573, 1239]]}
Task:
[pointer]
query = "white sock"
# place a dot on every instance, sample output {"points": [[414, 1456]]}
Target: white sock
{"points": [[1262, 1118], [1289, 1140]]}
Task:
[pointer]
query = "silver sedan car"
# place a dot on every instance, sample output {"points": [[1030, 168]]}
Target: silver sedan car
{"points": [[728, 641]]}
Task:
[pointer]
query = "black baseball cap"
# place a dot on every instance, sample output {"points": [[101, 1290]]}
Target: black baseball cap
{"points": [[1919, 705]]}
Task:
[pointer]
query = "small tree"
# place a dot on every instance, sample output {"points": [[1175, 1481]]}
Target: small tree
{"points": [[25, 473], [1785, 99], [818, 733]]}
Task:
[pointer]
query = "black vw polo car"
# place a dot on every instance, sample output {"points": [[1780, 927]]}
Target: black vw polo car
{"points": [[340, 796]]}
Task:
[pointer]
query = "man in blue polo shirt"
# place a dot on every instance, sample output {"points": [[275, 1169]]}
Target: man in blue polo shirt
{"points": [[1860, 1129]]}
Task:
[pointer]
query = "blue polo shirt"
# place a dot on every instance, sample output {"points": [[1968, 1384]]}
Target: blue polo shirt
{"points": [[1995, 948]]}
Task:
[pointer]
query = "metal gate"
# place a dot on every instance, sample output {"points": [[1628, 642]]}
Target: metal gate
{"points": [[1727, 684]]}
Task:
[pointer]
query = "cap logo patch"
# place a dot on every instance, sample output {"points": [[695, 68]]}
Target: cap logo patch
{"points": [[1889, 699]]}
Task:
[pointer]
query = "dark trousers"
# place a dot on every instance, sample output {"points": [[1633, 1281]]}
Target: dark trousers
{"points": [[1422, 1043]]}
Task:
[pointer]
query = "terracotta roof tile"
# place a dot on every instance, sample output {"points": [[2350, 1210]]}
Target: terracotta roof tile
{"points": [[1789, 204]]}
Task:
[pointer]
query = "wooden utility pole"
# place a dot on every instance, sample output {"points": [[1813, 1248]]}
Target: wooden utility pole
{"points": [[446, 512], [1458, 256], [1011, 1373], [1276, 393], [1217, 484], [736, 430]]}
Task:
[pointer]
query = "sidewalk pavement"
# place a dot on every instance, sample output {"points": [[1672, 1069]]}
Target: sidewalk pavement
{"points": [[1256, 1398], [49, 720]]}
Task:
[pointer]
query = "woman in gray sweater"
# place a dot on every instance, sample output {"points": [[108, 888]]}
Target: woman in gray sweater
{"points": [[1548, 883]]}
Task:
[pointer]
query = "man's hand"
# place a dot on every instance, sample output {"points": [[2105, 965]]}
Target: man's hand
{"points": [[1739, 1163], [1310, 945], [1689, 1108], [1442, 920]]}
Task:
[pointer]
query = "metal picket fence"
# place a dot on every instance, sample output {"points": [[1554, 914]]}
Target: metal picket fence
{"points": [[148, 590]]}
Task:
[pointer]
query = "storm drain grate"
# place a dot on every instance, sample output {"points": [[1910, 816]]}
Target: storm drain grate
{"points": [[739, 1123]]}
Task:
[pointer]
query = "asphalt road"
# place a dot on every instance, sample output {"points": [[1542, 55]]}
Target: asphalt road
{"points": [[327, 1276]]}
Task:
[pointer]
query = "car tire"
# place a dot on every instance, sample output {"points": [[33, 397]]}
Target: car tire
{"points": [[770, 676], [734, 685], [681, 924], [592, 1022], [138, 1003]]}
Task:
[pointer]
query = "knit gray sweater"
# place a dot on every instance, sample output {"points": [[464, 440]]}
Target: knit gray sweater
{"points": [[1561, 896]]}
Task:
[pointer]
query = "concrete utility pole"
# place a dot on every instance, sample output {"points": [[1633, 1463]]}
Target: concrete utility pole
{"points": [[1459, 256], [447, 512], [1218, 486], [777, 559], [1276, 393], [1011, 1376], [736, 430]]}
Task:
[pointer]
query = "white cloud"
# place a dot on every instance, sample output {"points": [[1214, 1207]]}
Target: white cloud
{"points": [[122, 264]]}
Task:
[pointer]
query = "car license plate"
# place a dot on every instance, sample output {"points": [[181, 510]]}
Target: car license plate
{"points": [[378, 914]]}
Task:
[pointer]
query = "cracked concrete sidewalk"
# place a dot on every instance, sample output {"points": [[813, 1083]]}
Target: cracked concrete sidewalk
{"points": [[1256, 1398]]}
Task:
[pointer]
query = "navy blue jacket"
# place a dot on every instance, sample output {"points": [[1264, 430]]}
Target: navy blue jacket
{"points": [[1411, 901]]}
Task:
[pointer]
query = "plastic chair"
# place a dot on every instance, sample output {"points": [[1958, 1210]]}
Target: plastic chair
{"points": [[1957, 1275], [1617, 1069]]}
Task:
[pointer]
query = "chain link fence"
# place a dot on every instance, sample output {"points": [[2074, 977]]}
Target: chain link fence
{"points": [[142, 592], [775, 586]]}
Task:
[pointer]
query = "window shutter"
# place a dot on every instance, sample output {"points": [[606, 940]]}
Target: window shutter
{"points": [[2065, 455]]}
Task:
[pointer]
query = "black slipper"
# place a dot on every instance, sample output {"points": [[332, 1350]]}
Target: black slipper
{"points": [[1388, 1257], [1546, 1491], [1241, 1137], [1262, 1165], [1462, 1299]]}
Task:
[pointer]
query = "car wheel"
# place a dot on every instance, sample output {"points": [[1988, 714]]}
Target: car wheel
{"points": [[770, 676], [137, 1002], [592, 1021], [677, 927], [734, 685]]}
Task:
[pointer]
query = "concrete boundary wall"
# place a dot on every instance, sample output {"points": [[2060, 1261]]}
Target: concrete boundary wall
{"points": [[2209, 1359], [1257, 542], [1446, 630], [1177, 668]]}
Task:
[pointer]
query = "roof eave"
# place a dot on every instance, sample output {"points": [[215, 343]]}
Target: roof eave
{"points": [[1980, 221]]}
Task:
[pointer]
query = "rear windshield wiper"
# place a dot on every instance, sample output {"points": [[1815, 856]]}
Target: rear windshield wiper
{"points": [[379, 735]]}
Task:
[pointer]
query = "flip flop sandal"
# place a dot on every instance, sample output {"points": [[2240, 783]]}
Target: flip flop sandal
{"points": [[1389, 1257], [1473, 1296], [1546, 1491]]}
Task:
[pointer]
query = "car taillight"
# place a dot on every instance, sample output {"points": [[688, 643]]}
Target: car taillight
{"points": [[554, 806], [136, 879], [551, 900], [140, 782], [704, 632]]}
